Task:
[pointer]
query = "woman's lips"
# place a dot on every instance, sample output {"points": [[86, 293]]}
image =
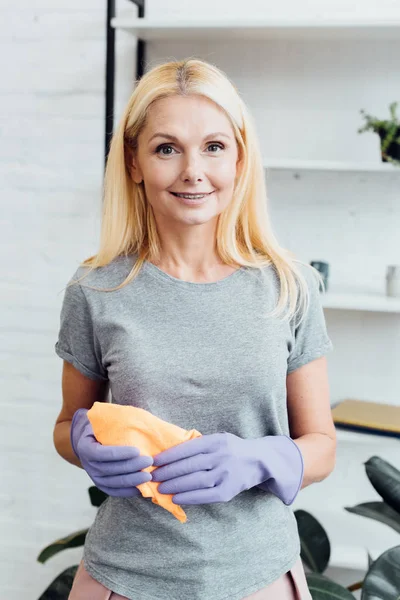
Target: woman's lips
{"points": [[193, 193], [193, 201]]}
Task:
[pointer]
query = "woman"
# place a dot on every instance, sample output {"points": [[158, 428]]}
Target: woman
{"points": [[192, 311]]}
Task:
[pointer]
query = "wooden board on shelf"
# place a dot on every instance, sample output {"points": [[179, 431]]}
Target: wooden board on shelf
{"points": [[370, 417]]}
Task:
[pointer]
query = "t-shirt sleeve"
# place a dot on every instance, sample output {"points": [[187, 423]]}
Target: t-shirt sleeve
{"points": [[309, 339], [77, 342]]}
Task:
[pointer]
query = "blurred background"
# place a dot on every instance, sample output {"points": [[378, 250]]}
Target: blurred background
{"points": [[306, 69]]}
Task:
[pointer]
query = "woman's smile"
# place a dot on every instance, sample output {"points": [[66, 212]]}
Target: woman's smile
{"points": [[192, 199]]}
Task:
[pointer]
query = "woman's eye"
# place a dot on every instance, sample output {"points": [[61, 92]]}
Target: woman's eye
{"points": [[159, 149], [220, 146]]}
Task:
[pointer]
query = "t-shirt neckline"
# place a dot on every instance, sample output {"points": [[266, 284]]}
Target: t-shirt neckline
{"points": [[195, 286]]}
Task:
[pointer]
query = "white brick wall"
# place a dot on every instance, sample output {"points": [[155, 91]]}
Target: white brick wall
{"points": [[51, 164], [306, 100]]}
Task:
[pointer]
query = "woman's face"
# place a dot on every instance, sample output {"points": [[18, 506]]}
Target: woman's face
{"points": [[187, 146]]}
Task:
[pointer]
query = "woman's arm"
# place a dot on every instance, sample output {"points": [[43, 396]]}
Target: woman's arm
{"points": [[310, 419], [78, 391]]}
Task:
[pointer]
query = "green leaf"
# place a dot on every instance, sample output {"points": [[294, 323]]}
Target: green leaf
{"points": [[71, 541], [322, 588], [379, 511], [383, 578], [60, 588], [392, 110], [385, 479], [315, 546], [97, 497], [370, 560]]}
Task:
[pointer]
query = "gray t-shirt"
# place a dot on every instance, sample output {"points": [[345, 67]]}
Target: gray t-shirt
{"points": [[202, 356]]}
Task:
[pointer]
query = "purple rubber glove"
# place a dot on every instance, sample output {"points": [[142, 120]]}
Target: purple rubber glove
{"points": [[217, 467], [116, 470]]}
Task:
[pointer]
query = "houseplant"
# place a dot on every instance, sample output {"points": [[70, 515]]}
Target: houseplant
{"points": [[382, 579], [389, 133], [61, 586]]}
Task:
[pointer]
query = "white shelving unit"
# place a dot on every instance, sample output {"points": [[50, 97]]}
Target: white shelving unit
{"points": [[355, 447]]}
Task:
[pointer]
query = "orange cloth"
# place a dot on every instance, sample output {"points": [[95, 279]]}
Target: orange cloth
{"points": [[117, 425]]}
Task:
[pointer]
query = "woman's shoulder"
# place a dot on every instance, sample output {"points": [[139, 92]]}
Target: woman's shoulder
{"points": [[310, 277], [302, 286], [299, 268], [109, 275]]}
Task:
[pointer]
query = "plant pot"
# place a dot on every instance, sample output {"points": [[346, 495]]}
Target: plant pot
{"points": [[393, 150]]}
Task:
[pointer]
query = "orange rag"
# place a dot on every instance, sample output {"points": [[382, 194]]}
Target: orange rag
{"points": [[117, 425]]}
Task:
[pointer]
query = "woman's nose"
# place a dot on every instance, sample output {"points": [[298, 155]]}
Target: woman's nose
{"points": [[192, 169]]}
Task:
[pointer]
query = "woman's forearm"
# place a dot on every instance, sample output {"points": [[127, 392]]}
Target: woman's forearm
{"points": [[62, 443], [319, 456]]}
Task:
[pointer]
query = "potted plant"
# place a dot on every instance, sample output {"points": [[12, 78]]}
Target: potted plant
{"points": [[382, 579], [389, 133], [60, 587]]}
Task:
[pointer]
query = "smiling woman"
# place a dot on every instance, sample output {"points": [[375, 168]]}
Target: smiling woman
{"points": [[192, 311]]}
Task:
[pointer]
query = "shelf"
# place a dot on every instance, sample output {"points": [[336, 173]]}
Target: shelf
{"points": [[322, 165], [365, 302], [253, 29]]}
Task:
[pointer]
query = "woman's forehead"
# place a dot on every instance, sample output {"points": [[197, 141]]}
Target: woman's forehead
{"points": [[179, 112]]}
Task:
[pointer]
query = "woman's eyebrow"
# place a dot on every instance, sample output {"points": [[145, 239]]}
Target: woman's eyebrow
{"points": [[175, 139]]}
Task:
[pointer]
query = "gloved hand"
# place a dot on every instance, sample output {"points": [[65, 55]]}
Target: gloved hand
{"points": [[217, 467], [116, 470]]}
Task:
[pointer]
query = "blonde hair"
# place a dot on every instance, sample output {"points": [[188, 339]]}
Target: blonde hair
{"points": [[244, 233]]}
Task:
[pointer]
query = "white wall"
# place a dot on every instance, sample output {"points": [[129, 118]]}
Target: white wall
{"points": [[305, 97], [51, 162]]}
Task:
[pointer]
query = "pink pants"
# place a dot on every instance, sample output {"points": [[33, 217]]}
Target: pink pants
{"points": [[291, 586]]}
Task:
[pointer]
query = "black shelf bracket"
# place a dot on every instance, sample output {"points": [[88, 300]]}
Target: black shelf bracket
{"points": [[110, 69]]}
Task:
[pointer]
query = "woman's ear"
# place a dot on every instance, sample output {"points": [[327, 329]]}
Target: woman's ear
{"points": [[133, 165], [239, 167], [135, 172]]}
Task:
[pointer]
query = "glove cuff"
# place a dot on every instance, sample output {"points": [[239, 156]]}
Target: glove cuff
{"points": [[300, 474], [284, 468], [71, 431]]}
